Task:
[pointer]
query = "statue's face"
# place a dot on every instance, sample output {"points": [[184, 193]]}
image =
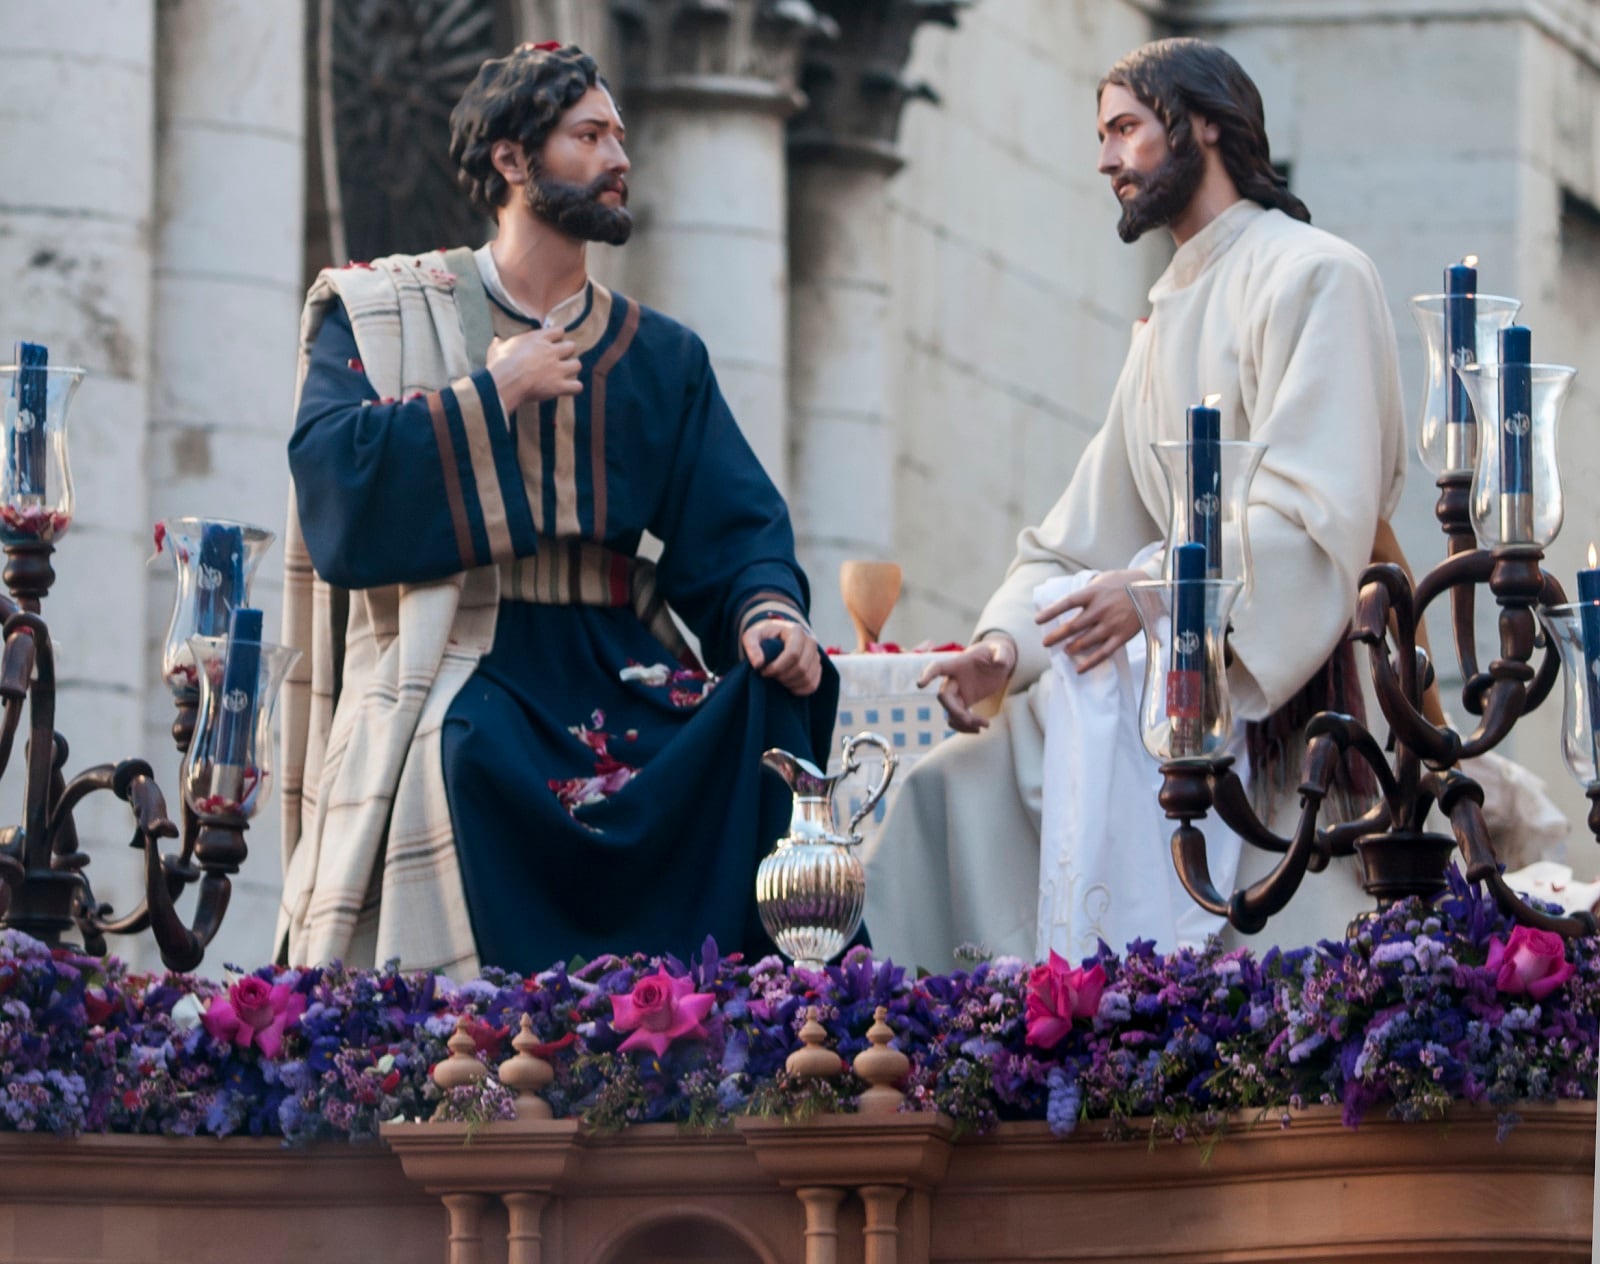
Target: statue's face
{"points": [[579, 180], [1154, 183]]}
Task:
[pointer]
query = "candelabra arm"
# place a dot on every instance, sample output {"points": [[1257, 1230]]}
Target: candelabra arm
{"points": [[1544, 680], [41, 737], [133, 782], [1354, 739], [1386, 604], [1189, 790], [1186, 794], [1504, 704], [1384, 608], [73, 793], [1461, 799], [1460, 573], [1341, 839], [10, 721], [1250, 909], [1234, 809]]}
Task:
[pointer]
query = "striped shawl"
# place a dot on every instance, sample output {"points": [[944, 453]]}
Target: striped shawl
{"points": [[370, 868]]}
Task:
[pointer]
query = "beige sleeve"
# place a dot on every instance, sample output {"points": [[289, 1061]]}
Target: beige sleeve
{"points": [[1098, 524], [1322, 364]]}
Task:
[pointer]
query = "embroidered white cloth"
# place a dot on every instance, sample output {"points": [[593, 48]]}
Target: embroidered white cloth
{"points": [[1105, 859]]}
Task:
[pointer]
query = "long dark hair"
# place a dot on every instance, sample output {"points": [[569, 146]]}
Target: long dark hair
{"points": [[1178, 78], [517, 97]]}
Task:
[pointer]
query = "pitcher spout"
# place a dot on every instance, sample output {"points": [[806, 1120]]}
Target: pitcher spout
{"points": [[804, 779]]}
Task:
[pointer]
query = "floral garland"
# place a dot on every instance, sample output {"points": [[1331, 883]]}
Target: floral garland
{"points": [[1428, 1005]]}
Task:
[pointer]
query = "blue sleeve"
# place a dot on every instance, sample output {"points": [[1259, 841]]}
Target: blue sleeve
{"points": [[402, 491], [728, 548]]}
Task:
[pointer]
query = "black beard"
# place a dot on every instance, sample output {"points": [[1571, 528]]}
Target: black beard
{"points": [[576, 210], [1164, 194]]}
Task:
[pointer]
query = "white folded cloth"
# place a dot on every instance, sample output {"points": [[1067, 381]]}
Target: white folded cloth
{"points": [[1105, 857]]}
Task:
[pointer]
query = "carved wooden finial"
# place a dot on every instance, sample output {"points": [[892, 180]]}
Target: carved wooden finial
{"points": [[814, 1058], [881, 1067], [526, 1074], [462, 1067]]}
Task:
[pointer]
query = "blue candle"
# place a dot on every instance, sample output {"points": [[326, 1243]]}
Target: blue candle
{"points": [[236, 710], [219, 582], [1461, 348], [1589, 622], [1205, 485], [1516, 435], [31, 391], [1186, 668]]}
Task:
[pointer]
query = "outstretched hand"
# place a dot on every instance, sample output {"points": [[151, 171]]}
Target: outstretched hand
{"points": [[797, 666], [969, 677], [1105, 622]]}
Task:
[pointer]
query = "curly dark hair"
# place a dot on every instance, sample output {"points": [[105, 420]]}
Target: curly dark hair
{"points": [[1177, 78], [517, 97]]}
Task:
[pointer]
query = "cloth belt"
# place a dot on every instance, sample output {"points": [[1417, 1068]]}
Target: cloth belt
{"points": [[583, 573]]}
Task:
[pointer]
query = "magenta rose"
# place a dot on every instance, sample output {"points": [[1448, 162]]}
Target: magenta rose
{"points": [[1057, 994], [659, 1010], [1530, 961], [254, 1012]]}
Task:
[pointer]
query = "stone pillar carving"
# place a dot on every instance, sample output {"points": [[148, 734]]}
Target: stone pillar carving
{"points": [[227, 290], [77, 157], [707, 87], [842, 154]]}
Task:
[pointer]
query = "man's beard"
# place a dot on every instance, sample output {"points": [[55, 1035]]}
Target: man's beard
{"points": [[1164, 194], [576, 209]]}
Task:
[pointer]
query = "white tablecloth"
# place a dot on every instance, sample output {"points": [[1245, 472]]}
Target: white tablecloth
{"points": [[878, 693]]}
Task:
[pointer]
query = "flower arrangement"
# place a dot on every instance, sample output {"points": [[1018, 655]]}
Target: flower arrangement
{"points": [[1430, 1004]]}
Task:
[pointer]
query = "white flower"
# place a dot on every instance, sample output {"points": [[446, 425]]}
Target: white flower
{"points": [[186, 1013]]}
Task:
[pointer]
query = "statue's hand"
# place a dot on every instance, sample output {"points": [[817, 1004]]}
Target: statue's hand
{"points": [[797, 666], [969, 677], [1105, 622], [538, 365]]}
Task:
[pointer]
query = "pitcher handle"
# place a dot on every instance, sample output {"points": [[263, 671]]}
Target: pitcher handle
{"points": [[851, 764]]}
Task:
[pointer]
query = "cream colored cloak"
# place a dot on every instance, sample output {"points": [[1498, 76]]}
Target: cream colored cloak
{"points": [[1288, 324]]}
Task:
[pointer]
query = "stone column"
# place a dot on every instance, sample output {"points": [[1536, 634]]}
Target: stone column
{"points": [[76, 164], [842, 154], [228, 288], [707, 87]]}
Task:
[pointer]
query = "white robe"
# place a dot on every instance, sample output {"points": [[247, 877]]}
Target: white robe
{"points": [[1288, 324]]}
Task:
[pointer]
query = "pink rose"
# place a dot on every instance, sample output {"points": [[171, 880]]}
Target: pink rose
{"points": [[1531, 961], [659, 1010], [1058, 993], [254, 1012]]}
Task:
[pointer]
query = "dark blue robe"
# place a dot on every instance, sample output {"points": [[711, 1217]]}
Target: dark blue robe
{"points": [[592, 813]]}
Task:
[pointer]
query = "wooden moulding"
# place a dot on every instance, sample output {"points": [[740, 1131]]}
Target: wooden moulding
{"points": [[893, 1189]]}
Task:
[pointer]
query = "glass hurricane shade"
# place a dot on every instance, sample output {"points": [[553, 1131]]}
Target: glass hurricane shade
{"points": [[1184, 711], [1445, 448], [228, 768], [35, 475]]}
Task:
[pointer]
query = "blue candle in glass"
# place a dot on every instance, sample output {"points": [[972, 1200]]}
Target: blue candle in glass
{"points": [[31, 390], [1461, 348], [1516, 435], [1205, 485], [236, 708], [219, 581], [1186, 670], [1589, 622]]}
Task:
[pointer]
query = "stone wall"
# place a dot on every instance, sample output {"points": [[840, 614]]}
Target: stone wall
{"points": [[1011, 295]]}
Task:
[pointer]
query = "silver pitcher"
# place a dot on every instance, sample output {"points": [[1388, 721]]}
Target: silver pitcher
{"points": [[811, 889]]}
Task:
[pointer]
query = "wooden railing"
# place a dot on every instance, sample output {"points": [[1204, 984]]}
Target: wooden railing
{"points": [[835, 1190]]}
